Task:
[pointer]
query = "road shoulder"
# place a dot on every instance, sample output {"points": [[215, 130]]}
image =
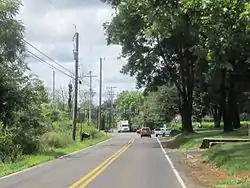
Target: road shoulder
{"points": [[50, 159]]}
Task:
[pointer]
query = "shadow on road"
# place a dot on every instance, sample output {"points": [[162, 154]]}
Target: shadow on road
{"points": [[55, 154]]}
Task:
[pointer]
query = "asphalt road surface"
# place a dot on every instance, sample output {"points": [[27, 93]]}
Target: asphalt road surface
{"points": [[125, 161]]}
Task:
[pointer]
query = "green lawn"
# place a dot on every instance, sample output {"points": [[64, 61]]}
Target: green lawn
{"points": [[193, 141], [236, 183], [232, 157], [32, 160]]}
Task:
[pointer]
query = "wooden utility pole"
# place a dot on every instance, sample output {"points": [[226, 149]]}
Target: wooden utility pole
{"points": [[76, 54], [90, 76], [100, 98], [111, 97]]}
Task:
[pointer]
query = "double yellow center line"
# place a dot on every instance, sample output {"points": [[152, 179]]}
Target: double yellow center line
{"points": [[89, 177]]}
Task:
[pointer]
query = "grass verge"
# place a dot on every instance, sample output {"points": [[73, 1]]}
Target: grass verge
{"points": [[236, 183], [234, 158], [231, 157], [193, 141], [32, 160]]}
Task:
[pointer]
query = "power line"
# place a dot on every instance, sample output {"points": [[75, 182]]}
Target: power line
{"points": [[90, 76], [111, 98], [46, 56], [45, 62], [50, 2]]}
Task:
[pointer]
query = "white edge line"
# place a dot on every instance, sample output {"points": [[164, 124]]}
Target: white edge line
{"points": [[178, 177], [40, 165]]}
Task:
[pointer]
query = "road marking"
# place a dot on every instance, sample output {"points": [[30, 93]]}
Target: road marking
{"points": [[85, 180], [46, 163], [177, 175], [84, 185]]}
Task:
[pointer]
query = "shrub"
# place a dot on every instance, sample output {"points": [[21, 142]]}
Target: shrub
{"points": [[52, 140], [9, 151], [89, 128]]}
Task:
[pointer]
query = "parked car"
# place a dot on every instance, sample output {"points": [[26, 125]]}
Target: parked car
{"points": [[145, 132]]}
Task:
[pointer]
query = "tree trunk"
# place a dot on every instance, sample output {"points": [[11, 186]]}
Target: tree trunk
{"points": [[228, 126], [187, 117], [234, 113], [233, 106], [102, 123], [216, 115]]}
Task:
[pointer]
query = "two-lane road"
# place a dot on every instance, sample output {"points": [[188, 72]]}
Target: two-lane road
{"points": [[125, 161]]}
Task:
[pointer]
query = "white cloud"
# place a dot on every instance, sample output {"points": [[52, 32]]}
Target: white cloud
{"points": [[50, 27]]}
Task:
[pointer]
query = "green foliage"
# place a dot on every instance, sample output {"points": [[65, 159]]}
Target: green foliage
{"points": [[160, 106], [29, 123], [89, 128], [53, 140], [128, 106], [199, 46], [9, 151], [52, 114]]}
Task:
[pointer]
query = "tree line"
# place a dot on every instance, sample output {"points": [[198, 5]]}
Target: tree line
{"points": [[30, 122], [200, 48]]}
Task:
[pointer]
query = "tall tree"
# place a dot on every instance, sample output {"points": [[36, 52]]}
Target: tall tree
{"points": [[159, 41]]}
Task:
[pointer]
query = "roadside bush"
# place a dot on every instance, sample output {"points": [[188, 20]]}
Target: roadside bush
{"points": [[28, 126], [51, 114], [52, 140], [9, 151], [89, 128]]}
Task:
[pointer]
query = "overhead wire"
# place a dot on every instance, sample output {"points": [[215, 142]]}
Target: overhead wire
{"points": [[50, 2], [45, 62], [31, 45]]}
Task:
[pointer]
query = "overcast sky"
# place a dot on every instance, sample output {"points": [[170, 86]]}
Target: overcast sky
{"points": [[50, 27]]}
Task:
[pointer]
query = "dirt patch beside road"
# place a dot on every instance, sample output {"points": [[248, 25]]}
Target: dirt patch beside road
{"points": [[204, 173]]}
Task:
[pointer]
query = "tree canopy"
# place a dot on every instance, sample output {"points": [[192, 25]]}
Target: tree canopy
{"points": [[185, 42]]}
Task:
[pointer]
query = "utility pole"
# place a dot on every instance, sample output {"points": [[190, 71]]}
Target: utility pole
{"points": [[76, 54], [100, 97], [111, 96], [54, 84], [90, 76]]}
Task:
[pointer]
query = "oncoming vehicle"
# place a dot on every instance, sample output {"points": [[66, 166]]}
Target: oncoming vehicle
{"points": [[123, 126], [158, 132], [162, 132], [145, 132]]}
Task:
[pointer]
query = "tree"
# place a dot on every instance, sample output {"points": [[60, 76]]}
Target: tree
{"points": [[160, 106], [127, 105], [226, 51], [159, 41], [180, 42], [12, 66]]}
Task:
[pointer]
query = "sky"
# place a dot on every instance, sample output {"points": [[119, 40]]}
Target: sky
{"points": [[50, 27]]}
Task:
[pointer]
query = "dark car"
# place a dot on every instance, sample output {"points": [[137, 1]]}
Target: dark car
{"points": [[145, 132]]}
